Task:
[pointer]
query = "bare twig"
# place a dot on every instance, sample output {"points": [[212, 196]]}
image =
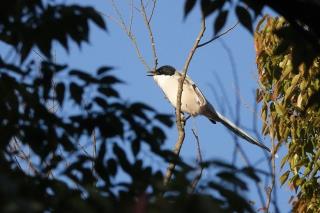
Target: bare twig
{"points": [[147, 23], [94, 150], [273, 179], [152, 11], [131, 16], [128, 31], [218, 36], [238, 148], [199, 159], [179, 122], [23, 156]]}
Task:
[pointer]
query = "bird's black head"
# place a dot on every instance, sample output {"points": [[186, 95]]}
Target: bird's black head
{"points": [[164, 70]]}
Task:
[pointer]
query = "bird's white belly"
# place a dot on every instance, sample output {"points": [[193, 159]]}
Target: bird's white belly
{"points": [[189, 101]]}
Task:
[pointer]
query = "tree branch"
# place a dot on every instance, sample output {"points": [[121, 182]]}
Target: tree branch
{"points": [[179, 123], [129, 33], [199, 159], [218, 36], [147, 23]]}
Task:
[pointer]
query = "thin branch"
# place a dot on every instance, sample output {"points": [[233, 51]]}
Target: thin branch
{"points": [[273, 175], [199, 159], [133, 39], [147, 23], [23, 156], [131, 16], [179, 123], [218, 36], [94, 150], [238, 147], [224, 93], [152, 11]]}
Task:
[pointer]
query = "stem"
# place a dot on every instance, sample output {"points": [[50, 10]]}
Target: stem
{"points": [[180, 126]]}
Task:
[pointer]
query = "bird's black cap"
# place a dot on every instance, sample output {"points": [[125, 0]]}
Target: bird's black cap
{"points": [[164, 70]]}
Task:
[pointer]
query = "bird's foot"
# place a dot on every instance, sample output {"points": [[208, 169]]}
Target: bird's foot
{"points": [[184, 118]]}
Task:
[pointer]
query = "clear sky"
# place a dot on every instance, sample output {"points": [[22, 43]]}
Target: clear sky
{"points": [[174, 37]]}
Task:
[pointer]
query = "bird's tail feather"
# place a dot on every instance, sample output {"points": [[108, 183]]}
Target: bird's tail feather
{"points": [[234, 128]]}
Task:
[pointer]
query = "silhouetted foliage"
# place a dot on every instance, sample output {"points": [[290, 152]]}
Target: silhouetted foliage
{"points": [[303, 15], [44, 161]]}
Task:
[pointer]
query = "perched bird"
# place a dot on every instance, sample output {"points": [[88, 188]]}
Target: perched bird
{"points": [[193, 101]]}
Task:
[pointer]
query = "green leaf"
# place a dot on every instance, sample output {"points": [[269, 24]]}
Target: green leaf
{"points": [[279, 109], [284, 177], [284, 160]]}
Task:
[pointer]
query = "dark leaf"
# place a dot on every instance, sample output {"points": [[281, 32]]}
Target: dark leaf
{"points": [[83, 76], [60, 89], [96, 17], [101, 102], [108, 92], [135, 146], [25, 50], [110, 80], [232, 178], [141, 106], [236, 202], [112, 166], [208, 7], [122, 157], [188, 6], [76, 92], [103, 70], [256, 6], [222, 164], [220, 21], [164, 119], [244, 17], [249, 171], [158, 134]]}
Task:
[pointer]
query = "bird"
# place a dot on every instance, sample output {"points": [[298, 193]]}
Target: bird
{"points": [[193, 102]]}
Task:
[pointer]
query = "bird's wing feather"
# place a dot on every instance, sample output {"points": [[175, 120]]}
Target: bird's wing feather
{"points": [[201, 99]]}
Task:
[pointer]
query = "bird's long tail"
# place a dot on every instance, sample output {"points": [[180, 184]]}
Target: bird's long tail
{"points": [[234, 128]]}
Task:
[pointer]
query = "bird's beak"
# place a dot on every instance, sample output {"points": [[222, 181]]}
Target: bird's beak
{"points": [[151, 73]]}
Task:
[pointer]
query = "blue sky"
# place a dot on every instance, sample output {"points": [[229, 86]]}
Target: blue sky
{"points": [[174, 37]]}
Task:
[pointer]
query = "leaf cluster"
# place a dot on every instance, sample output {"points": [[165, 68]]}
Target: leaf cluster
{"points": [[302, 15], [289, 70]]}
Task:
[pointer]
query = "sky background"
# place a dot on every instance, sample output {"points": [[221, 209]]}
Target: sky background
{"points": [[174, 38]]}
